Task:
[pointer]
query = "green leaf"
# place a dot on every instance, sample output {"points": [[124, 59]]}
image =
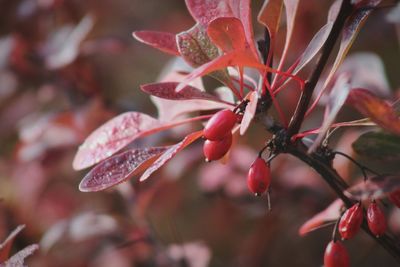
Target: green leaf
{"points": [[379, 146]]}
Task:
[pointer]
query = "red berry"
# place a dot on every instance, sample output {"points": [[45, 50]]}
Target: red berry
{"points": [[219, 125], [376, 219], [336, 255], [394, 197], [259, 177], [350, 222], [214, 150]]}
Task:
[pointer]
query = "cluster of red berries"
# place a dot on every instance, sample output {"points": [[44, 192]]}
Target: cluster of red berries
{"points": [[350, 223], [218, 135]]}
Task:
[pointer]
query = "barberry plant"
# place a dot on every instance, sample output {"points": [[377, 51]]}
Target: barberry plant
{"points": [[254, 74]]}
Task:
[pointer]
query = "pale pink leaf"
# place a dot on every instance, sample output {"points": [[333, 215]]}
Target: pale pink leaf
{"points": [[331, 213], [291, 12], [5, 247], [18, 259], [249, 112], [163, 41], [170, 153], [119, 168], [350, 31], [337, 98], [378, 110], [68, 51], [376, 187]]}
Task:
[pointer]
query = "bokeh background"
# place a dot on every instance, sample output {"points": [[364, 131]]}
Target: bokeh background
{"points": [[67, 66]]}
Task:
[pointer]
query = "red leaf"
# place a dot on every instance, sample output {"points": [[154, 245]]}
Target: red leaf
{"points": [[195, 46], [249, 112], [331, 213], [18, 259], [206, 11], [376, 109], [170, 153], [166, 90], [376, 187], [5, 247], [119, 168], [239, 58], [163, 41], [227, 33], [270, 16]]}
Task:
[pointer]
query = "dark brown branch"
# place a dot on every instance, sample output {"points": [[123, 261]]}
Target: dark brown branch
{"points": [[329, 174], [302, 106]]}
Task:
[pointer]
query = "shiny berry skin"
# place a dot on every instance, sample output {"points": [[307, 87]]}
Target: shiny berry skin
{"points": [[336, 255], [219, 125], [394, 197], [258, 177], [376, 219], [214, 150], [351, 221]]}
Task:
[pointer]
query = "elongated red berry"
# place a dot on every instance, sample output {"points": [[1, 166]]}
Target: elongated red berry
{"points": [[394, 197], [219, 125], [350, 222], [214, 150], [336, 255], [376, 219], [259, 177]]}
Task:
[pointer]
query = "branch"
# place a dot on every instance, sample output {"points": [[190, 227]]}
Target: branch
{"points": [[329, 174], [302, 106]]}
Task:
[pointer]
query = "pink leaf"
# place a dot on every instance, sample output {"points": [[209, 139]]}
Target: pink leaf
{"points": [[113, 136], [227, 33], [378, 110], [118, 133], [374, 188], [170, 153], [163, 41], [249, 112], [166, 90], [205, 11], [5, 247], [270, 16], [331, 213], [119, 168], [18, 259]]}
